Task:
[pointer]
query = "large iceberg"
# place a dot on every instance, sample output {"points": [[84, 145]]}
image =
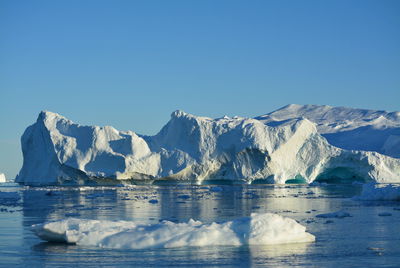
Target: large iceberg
{"points": [[258, 229], [197, 149]]}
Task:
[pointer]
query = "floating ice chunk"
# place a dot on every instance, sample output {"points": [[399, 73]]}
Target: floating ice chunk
{"points": [[380, 192], [258, 229], [2, 178], [337, 214], [184, 196], [216, 189], [385, 214]]}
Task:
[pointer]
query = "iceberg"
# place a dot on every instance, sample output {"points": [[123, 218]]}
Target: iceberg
{"points": [[198, 150], [347, 128], [258, 229], [2, 178]]}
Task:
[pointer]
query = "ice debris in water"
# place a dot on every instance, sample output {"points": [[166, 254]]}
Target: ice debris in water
{"points": [[2, 178], [258, 229], [337, 214], [216, 189], [380, 192], [385, 214]]}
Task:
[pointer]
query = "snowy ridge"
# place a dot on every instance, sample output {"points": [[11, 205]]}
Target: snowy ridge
{"points": [[193, 149], [258, 229], [347, 128]]}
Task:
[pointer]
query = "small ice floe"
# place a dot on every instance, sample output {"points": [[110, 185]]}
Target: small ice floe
{"points": [[216, 189], [257, 229], [378, 251], [183, 196], [338, 214], [385, 214], [2, 178], [379, 192], [375, 249]]}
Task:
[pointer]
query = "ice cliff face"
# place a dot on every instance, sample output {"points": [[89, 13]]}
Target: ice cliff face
{"points": [[194, 149]]}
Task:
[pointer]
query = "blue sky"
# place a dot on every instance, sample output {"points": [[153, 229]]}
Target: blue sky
{"points": [[129, 64]]}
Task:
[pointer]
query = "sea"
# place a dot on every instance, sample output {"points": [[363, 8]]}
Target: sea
{"points": [[368, 237]]}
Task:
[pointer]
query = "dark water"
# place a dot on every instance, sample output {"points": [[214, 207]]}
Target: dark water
{"points": [[363, 240]]}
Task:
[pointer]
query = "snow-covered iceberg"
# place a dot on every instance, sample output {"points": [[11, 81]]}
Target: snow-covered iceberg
{"points": [[258, 229], [194, 149]]}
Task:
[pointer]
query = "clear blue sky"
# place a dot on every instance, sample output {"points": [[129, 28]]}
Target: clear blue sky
{"points": [[129, 64]]}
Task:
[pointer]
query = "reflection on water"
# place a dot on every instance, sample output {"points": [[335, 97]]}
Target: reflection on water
{"points": [[336, 240], [150, 204]]}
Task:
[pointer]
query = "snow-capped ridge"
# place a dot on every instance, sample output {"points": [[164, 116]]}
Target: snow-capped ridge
{"points": [[179, 113]]}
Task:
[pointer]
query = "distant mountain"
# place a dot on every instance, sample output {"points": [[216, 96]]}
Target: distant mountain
{"points": [[280, 147], [347, 128]]}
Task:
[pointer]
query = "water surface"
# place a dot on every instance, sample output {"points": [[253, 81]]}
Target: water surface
{"points": [[363, 240]]}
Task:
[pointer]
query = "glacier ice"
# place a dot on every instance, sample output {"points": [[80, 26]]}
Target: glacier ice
{"points": [[197, 150], [258, 229], [347, 128]]}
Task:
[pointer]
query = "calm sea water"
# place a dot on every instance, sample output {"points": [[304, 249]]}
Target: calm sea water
{"points": [[364, 240]]}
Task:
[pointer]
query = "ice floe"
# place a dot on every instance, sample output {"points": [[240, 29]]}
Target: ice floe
{"points": [[257, 229], [2, 178]]}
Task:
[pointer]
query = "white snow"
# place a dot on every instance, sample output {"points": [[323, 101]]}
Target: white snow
{"points": [[2, 178], [347, 128], [258, 229], [195, 149], [380, 192]]}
